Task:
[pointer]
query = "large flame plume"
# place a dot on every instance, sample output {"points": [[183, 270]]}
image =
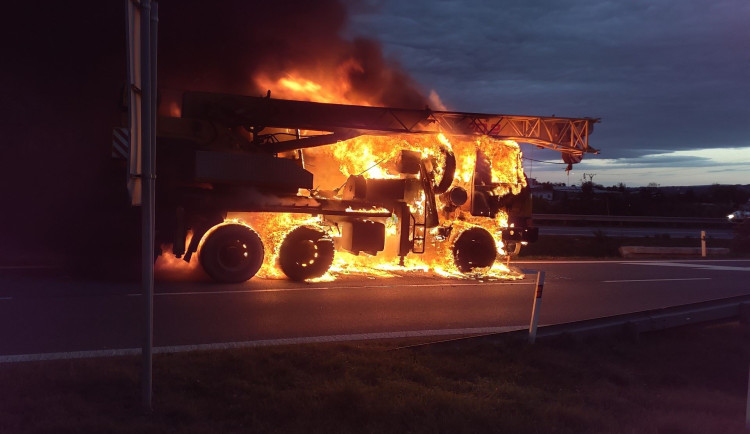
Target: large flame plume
{"points": [[296, 51], [369, 156]]}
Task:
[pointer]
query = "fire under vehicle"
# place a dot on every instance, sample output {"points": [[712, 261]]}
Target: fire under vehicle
{"points": [[449, 186]]}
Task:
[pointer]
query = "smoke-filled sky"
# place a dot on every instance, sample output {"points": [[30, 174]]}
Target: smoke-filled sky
{"points": [[670, 79]]}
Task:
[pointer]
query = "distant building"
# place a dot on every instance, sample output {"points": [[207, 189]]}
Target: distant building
{"points": [[565, 192], [542, 194]]}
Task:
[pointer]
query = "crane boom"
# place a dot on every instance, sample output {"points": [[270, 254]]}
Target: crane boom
{"points": [[567, 135], [229, 154]]}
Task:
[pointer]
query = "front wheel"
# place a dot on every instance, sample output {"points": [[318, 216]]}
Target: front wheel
{"points": [[232, 253], [306, 253], [474, 249]]}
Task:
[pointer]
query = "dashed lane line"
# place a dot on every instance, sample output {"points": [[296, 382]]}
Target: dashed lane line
{"points": [[643, 262], [655, 280], [696, 266], [28, 267]]}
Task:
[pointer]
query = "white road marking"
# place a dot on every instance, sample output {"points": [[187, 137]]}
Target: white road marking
{"points": [[316, 288], [27, 267], [655, 280], [694, 266], [236, 291], [6, 298], [261, 343], [565, 262], [619, 261]]}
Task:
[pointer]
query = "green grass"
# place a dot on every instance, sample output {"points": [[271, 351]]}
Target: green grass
{"points": [[680, 381]]}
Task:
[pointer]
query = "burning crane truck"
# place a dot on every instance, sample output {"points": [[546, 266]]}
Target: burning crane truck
{"points": [[444, 189]]}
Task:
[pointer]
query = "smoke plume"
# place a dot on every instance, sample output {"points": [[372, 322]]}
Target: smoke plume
{"points": [[62, 79], [222, 48]]}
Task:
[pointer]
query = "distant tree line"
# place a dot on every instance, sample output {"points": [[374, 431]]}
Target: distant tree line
{"points": [[699, 201]]}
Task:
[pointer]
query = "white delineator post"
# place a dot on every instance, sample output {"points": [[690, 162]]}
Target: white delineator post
{"points": [[703, 244], [537, 306]]}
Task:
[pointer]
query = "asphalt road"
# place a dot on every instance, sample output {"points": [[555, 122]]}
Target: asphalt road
{"points": [[44, 312]]}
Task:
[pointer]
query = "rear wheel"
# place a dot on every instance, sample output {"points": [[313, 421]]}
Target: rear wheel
{"points": [[306, 253], [474, 248], [232, 253]]}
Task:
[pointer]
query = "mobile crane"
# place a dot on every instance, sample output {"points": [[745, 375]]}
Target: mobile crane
{"points": [[235, 153]]}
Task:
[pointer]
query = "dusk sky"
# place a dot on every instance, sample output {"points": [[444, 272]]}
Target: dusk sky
{"points": [[670, 79]]}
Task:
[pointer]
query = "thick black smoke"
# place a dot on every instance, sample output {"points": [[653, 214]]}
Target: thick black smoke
{"points": [[222, 47], [60, 95]]}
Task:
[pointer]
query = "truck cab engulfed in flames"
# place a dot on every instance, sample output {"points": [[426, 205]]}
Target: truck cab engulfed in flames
{"points": [[278, 186]]}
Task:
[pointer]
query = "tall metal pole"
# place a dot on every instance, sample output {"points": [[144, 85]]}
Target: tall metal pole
{"points": [[148, 89]]}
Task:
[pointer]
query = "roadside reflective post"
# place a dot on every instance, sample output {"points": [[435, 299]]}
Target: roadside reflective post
{"points": [[703, 244], [537, 306]]}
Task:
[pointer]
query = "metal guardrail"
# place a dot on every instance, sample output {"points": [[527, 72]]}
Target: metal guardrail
{"points": [[631, 323], [630, 219], [657, 319]]}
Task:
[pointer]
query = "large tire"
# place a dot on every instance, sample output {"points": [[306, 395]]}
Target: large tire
{"points": [[306, 253], [474, 248], [232, 253]]}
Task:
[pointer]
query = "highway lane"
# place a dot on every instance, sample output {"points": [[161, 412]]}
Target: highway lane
{"points": [[43, 313]]}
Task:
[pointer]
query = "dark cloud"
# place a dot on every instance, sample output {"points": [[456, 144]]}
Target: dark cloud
{"points": [[691, 167], [662, 74], [664, 160]]}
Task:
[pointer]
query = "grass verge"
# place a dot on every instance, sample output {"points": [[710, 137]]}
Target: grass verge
{"points": [[690, 380]]}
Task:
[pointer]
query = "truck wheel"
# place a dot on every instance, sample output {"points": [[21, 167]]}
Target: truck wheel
{"points": [[305, 253], [232, 253], [474, 248]]}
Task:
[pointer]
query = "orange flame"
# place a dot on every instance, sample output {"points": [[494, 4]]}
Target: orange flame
{"points": [[324, 88], [370, 156]]}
